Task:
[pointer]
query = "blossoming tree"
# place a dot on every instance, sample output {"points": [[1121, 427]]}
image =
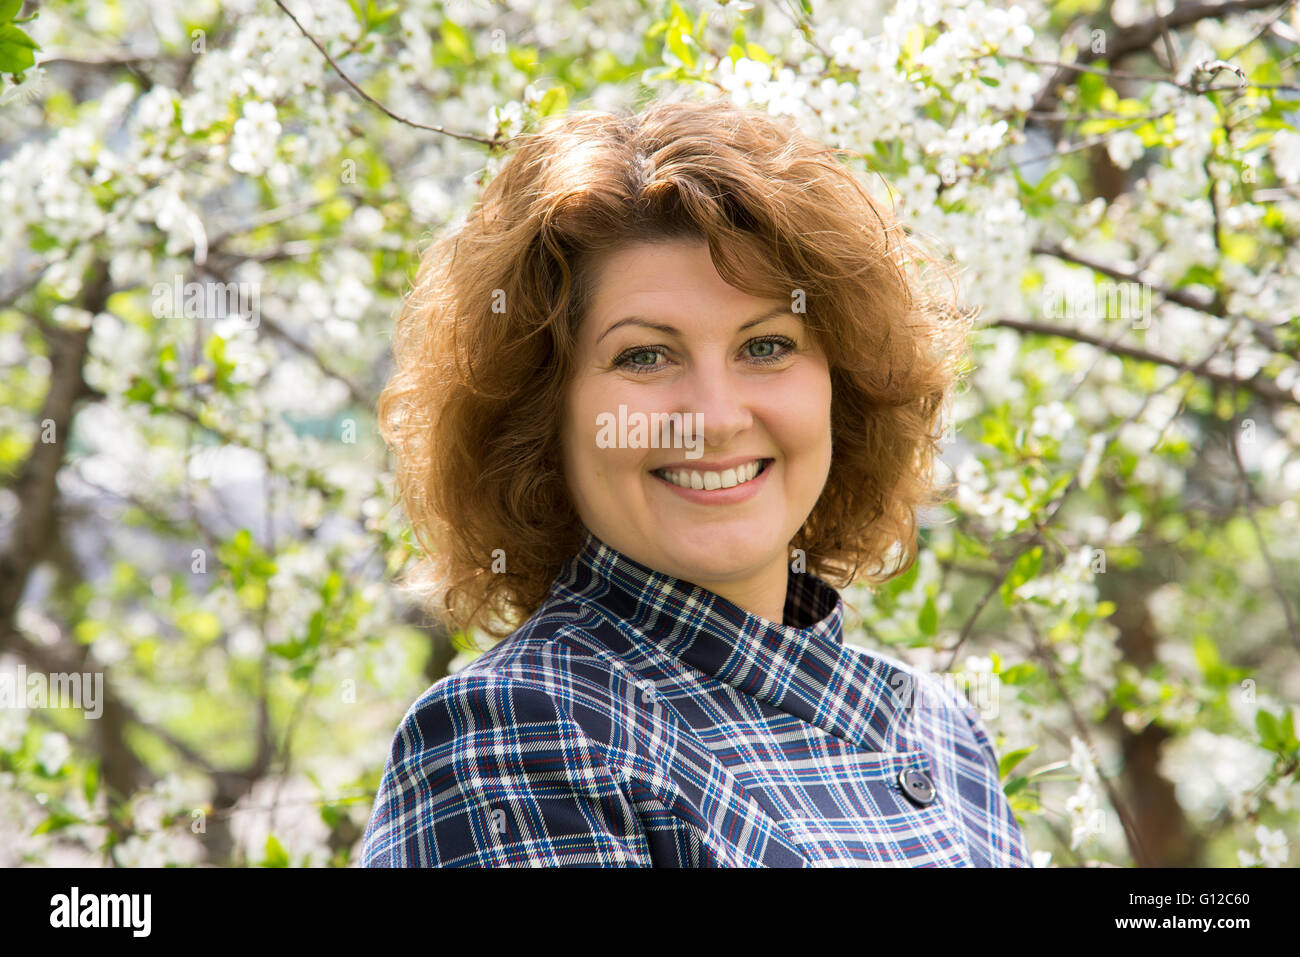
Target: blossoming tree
{"points": [[212, 210]]}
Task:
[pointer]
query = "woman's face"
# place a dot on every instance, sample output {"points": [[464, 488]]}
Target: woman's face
{"points": [[716, 505]]}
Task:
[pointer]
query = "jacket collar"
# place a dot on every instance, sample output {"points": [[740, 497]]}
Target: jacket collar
{"points": [[802, 668]]}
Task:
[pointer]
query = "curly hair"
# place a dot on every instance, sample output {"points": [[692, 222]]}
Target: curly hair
{"points": [[484, 346]]}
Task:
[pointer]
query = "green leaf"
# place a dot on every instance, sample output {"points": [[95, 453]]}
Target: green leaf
{"points": [[1266, 71], [1025, 568], [1207, 657], [376, 17], [905, 581], [304, 671], [332, 815], [1199, 274], [287, 649], [928, 618], [1286, 731], [275, 854], [554, 100], [90, 782], [11, 34], [316, 628], [1024, 804], [524, 59], [1012, 758], [56, 822], [1094, 95], [998, 432], [457, 41], [15, 50], [141, 390], [9, 9], [1019, 674], [1270, 735], [677, 42]]}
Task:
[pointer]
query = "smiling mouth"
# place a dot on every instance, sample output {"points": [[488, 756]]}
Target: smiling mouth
{"points": [[708, 480]]}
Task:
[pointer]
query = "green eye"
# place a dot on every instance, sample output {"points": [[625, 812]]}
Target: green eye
{"points": [[770, 349], [639, 360]]}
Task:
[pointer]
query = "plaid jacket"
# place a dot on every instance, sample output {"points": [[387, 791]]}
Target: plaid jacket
{"points": [[637, 720]]}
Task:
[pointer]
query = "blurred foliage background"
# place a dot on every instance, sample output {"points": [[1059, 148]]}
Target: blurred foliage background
{"points": [[211, 212]]}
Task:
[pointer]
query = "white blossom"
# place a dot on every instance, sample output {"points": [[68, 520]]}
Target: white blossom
{"points": [[1285, 149], [747, 81], [252, 147], [1125, 148], [54, 752], [1053, 419], [1273, 850]]}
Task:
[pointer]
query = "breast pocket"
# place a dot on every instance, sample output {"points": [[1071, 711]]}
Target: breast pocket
{"points": [[877, 809]]}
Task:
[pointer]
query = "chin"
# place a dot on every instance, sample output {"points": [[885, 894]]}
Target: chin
{"points": [[719, 554]]}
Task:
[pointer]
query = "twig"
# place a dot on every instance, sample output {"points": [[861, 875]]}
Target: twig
{"points": [[1181, 297], [1139, 36], [1060, 151], [22, 287], [279, 332], [1278, 14], [1168, 39], [1056, 506], [1264, 388], [487, 141], [1045, 654], [1274, 577], [48, 660]]}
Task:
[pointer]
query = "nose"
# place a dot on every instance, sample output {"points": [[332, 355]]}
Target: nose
{"points": [[714, 392]]}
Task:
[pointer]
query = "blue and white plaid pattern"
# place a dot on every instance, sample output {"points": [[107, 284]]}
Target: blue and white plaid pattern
{"points": [[637, 720]]}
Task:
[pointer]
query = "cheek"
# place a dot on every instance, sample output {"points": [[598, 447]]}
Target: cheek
{"points": [[803, 413], [574, 443], [588, 467]]}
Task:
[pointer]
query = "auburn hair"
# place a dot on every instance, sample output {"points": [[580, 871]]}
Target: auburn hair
{"points": [[484, 345]]}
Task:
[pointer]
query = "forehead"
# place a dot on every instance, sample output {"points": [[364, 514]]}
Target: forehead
{"points": [[671, 281]]}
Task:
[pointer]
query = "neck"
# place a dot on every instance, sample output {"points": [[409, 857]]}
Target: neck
{"points": [[762, 594]]}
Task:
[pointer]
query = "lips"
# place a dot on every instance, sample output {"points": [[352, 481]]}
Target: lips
{"points": [[711, 479]]}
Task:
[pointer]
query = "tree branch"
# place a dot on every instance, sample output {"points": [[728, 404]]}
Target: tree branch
{"points": [[1249, 493], [487, 141], [359, 396], [1138, 36], [49, 661], [1210, 305], [1266, 389], [1056, 506], [1045, 654], [36, 485]]}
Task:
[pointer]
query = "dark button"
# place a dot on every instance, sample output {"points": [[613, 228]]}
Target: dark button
{"points": [[917, 786]]}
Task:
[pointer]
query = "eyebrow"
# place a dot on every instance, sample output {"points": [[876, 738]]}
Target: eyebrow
{"points": [[674, 331]]}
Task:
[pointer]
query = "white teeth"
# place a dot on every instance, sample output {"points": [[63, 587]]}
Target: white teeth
{"points": [[728, 478]]}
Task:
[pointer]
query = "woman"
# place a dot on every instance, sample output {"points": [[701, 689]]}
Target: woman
{"points": [[674, 375]]}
